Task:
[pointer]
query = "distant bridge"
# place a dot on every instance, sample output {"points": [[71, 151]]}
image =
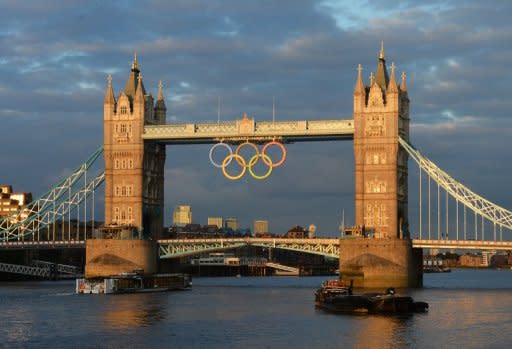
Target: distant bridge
{"points": [[326, 247]]}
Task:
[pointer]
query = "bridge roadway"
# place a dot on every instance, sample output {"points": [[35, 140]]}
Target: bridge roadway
{"points": [[175, 248]]}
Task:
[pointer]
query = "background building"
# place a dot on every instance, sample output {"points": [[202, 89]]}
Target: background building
{"points": [[231, 223], [182, 215], [296, 232], [215, 221], [11, 202], [260, 227]]}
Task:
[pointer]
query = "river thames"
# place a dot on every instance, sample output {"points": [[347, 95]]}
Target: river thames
{"points": [[468, 309]]}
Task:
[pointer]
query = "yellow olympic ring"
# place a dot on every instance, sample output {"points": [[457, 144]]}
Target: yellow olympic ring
{"points": [[283, 154], [254, 160], [238, 159], [237, 151]]}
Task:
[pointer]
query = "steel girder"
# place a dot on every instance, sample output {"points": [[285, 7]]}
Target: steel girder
{"points": [[25, 270], [483, 207], [187, 247]]}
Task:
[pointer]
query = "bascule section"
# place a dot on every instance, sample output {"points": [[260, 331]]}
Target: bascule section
{"points": [[381, 118], [134, 181]]}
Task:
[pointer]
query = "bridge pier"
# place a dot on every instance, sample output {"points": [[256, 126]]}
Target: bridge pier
{"points": [[381, 263], [106, 257]]}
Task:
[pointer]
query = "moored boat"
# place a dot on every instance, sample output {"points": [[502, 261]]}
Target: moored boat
{"points": [[336, 296], [133, 283]]}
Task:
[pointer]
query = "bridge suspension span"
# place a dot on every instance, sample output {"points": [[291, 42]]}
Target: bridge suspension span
{"points": [[36, 221], [483, 210]]}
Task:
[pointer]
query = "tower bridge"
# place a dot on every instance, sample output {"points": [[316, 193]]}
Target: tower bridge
{"points": [[134, 149]]}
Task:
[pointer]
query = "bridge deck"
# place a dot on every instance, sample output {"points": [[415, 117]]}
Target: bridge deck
{"points": [[239, 130]]}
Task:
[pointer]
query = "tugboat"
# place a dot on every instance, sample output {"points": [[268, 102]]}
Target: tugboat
{"points": [[336, 296]]}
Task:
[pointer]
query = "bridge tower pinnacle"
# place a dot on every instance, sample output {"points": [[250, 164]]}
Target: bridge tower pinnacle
{"points": [[381, 115]]}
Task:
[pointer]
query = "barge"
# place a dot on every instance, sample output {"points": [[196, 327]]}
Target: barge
{"points": [[134, 283], [335, 296]]}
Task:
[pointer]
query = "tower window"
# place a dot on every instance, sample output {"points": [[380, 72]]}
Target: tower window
{"points": [[124, 110]]}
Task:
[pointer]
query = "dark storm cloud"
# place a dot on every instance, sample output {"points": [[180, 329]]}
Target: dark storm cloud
{"points": [[55, 56]]}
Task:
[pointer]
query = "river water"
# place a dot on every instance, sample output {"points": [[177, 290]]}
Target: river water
{"points": [[468, 309]]}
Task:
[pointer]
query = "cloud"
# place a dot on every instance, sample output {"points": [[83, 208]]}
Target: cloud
{"points": [[55, 59]]}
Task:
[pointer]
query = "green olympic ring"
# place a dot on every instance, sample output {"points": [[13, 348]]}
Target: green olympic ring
{"points": [[266, 159]]}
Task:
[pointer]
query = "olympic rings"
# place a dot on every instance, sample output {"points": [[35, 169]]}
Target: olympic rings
{"points": [[283, 154], [238, 159], [244, 165], [213, 149], [266, 159], [252, 145]]}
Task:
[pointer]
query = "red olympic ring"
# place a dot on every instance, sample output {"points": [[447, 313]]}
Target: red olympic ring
{"points": [[283, 154]]}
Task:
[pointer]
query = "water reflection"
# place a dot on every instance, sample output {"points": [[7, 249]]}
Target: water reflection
{"points": [[382, 331], [135, 310], [18, 329]]}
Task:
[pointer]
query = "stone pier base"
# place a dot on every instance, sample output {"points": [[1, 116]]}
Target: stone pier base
{"points": [[381, 263], [105, 257]]}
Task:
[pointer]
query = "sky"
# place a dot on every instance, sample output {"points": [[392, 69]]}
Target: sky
{"points": [[55, 57]]}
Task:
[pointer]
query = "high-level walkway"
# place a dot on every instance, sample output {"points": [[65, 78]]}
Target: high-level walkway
{"points": [[240, 130]]}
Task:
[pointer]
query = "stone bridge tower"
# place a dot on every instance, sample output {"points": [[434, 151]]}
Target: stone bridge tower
{"points": [[384, 256], [134, 181], [381, 115]]}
